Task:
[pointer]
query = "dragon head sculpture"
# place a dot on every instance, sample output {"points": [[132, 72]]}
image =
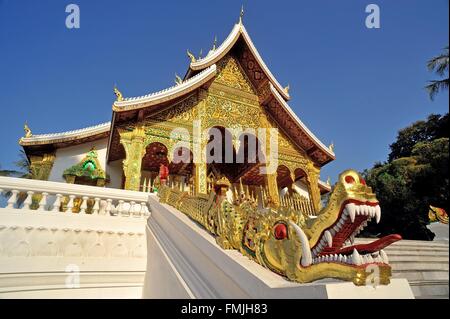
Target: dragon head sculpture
{"points": [[290, 243], [308, 249]]}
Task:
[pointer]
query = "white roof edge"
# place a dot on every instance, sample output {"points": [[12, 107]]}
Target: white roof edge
{"points": [[299, 122], [227, 44], [87, 131], [190, 83], [210, 58]]}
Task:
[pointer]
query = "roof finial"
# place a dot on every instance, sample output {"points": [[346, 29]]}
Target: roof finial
{"points": [[178, 80], [331, 147], [191, 56], [214, 43], [119, 96], [286, 89], [200, 54], [27, 130], [329, 181], [241, 15]]}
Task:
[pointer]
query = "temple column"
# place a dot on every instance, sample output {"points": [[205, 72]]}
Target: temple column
{"points": [[200, 183], [291, 186], [40, 166], [134, 144], [272, 189], [313, 180], [271, 178], [199, 145]]}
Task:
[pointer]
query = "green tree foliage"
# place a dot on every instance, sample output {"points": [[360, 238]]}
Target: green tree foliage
{"points": [[434, 127], [415, 176]]}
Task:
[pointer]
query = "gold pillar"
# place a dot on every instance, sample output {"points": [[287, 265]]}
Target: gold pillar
{"points": [[272, 189], [270, 179], [40, 166], [134, 144], [313, 180], [201, 186]]}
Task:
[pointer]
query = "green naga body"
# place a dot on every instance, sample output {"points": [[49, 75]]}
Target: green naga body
{"points": [[287, 241]]}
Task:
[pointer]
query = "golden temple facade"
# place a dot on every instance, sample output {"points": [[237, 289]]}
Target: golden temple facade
{"points": [[229, 91]]}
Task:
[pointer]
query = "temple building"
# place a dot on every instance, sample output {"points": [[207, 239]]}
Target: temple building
{"points": [[230, 88]]}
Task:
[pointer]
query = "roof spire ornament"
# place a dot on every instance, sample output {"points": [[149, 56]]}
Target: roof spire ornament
{"points": [[178, 80], [241, 15], [331, 147], [214, 43], [191, 56], [200, 54], [329, 181], [287, 88], [119, 96], [27, 130]]}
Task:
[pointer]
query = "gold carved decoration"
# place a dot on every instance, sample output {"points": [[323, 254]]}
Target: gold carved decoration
{"points": [[134, 145], [41, 166], [231, 74], [180, 112]]}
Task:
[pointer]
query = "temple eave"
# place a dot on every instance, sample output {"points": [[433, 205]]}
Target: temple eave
{"points": [[168, 94]]}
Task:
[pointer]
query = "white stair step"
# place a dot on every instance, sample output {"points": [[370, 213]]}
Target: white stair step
{"points": [[417, 258], [430, 288], [415, 275]]}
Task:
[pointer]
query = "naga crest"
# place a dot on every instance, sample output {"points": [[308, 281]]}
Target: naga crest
{"points": [[289, 242]]}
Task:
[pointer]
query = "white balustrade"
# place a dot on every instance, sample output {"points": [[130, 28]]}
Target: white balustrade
{"points": [[46, 196]]}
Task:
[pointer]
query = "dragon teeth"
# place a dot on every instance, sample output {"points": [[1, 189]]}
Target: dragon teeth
{"points": [[328, 238], [351, 211], [356, 258], [384, 256], [378, 213]]}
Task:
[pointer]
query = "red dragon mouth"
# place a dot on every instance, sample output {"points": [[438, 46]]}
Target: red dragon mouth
{"points": [[336, 242]]}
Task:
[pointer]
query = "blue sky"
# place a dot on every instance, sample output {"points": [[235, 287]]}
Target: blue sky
{"points": [[351, 85]]}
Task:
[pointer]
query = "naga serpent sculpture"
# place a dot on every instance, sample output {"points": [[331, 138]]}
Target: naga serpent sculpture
{"points": [[290, 243]]}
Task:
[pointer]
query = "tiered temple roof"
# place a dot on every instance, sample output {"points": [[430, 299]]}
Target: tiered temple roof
{"points": [[200, 73]]}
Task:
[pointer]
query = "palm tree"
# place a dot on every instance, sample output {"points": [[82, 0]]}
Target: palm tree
{"points": [[7, 172], [439, 65], [23, 165], [24, 171]]}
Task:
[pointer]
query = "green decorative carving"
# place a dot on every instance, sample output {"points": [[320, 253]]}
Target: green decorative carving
{"points": [[88, 168]]}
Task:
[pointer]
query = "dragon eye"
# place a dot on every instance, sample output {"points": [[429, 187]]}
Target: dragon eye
{"points": [[349, 179], [280, 231]]}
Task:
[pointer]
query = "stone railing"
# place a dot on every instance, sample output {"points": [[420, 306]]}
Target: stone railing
{"points": [[57, 236], [27, 194]]}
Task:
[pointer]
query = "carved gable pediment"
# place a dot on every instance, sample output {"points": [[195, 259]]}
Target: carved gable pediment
{"points": [[230, 73]]}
